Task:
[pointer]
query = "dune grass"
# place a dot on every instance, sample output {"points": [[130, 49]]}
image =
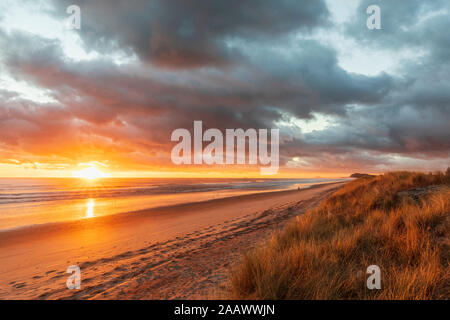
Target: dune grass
{"points": [[399, 221]]}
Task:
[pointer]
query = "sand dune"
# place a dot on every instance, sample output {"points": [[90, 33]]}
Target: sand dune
{"points": [[182, 251]]}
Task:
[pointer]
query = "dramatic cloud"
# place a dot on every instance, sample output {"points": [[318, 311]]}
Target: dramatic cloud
{"points": [[138, 70], [190, 33]]}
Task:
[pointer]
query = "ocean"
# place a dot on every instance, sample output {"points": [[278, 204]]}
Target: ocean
{"points": [[30, 201]]}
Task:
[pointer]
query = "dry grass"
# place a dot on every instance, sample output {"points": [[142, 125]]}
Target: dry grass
{"points": [[399, 221]]}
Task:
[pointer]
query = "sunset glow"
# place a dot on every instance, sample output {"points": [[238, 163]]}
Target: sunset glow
{"points": [[195, 150], [90, 173], [338, 95]]}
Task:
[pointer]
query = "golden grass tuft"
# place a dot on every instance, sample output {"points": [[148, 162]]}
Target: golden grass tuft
{"points": [[399, 221]]}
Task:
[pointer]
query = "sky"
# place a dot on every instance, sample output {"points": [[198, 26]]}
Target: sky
{"points": [[345, 98]]}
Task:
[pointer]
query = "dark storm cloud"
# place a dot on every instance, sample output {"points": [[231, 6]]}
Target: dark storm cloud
{"points": [[270, 75], [411, 119], [376, 139], [123, 102], [112, 102], [190, 33], [398, 20], [310, 80], [317, 83], [402, 130], [414, 24]]}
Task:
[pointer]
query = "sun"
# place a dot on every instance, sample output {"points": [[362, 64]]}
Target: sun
{"points": [[90, 173]]}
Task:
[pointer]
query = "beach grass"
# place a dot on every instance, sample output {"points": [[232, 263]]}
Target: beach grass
{"points": [[399, 221]]}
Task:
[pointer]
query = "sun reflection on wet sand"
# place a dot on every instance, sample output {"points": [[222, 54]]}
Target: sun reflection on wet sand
{"points": [[90, 208]]}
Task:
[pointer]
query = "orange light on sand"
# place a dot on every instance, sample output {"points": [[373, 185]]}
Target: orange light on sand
{"points": [[90, 208], [90, 173]]}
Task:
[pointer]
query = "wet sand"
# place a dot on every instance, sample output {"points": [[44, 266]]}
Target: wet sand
{"points": [[176, 252]]}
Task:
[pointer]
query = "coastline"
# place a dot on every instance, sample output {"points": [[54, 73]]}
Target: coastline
{"points": [[24, 204], [115, 252], [143, 213]]}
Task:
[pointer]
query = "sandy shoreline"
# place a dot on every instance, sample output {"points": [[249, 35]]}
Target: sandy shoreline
{"points": [[182, 251]]}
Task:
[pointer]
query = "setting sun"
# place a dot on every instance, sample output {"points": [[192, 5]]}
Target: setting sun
{"points": [[90, 173]]}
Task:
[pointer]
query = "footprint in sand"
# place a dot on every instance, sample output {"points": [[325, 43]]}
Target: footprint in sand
{"points": [[44, 295], [19, 285]]}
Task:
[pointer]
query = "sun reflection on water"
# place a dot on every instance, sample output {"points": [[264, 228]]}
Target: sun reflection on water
{"points": [[90, 208]]}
